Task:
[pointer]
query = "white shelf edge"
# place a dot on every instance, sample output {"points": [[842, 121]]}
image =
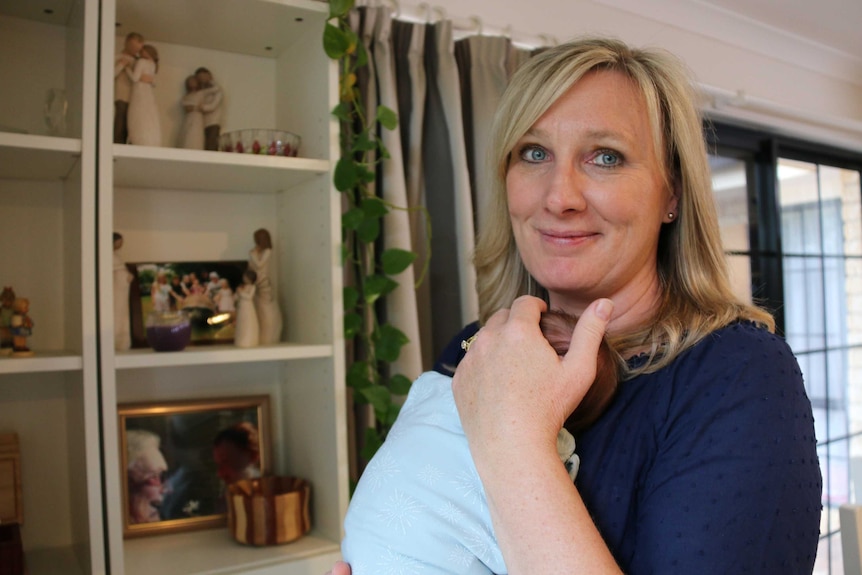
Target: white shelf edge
{"points": [[165, 154], [41, 362], [212, 552], [143, 358], [44, 143]]}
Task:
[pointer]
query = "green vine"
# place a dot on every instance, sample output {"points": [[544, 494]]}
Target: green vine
{"points": [[378, 344]]}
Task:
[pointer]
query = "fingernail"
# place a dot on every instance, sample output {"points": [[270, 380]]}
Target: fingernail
{"points": [[604, 309]]}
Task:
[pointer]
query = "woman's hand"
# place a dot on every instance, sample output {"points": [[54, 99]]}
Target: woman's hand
{"points": [[513, 394], [512, 390], [340, 568]]}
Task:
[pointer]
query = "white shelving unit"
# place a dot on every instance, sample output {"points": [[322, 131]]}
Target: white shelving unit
{"points": [[47, 200], [176, 205]]}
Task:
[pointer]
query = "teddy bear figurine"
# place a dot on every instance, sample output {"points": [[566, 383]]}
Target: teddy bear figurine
{"points": [[22, 327]]}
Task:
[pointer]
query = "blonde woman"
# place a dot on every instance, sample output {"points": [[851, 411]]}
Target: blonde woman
{"points": [[706, 461]]}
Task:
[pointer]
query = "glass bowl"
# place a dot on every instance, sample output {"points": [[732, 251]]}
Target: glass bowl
{"points": [[260, 141], [168, 330]]}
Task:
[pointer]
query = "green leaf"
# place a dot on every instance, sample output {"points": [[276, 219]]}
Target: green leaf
{"points": [[374, 208], [400, 384], [335, 42], [357, 375], [352, 218], [378, 396], [345, 176], [364, 143], [388, 342], [338, 8], [342, 111], [352, 325], [384, 152], [345, 253], [351, 297], [392, 414], [361, 55], [395, 261], [373, 441], [369, 230], [365, 175], [387, 117], [377, 286]]}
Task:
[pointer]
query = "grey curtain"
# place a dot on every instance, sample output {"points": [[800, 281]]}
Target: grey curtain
{"points": [[445, 94]]}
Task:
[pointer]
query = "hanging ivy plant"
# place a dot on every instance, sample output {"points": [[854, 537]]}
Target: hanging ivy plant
{"points": [[378, 344]]}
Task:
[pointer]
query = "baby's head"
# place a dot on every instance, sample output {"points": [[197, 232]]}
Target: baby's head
{"points": [[192, 84], [557, 326]]}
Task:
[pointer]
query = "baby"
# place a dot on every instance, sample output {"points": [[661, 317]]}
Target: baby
{"points": [[420, 504]]}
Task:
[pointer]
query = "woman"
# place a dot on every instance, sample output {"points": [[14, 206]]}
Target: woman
{"points": [[144, 126], [705, 461]]}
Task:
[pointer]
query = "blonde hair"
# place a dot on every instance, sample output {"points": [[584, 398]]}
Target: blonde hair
{"points": [[697, 297]]}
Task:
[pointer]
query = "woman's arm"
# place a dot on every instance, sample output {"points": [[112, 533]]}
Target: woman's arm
{"points": [[513, 394]]}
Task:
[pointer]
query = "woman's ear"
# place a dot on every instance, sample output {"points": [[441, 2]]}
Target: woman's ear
{"points": [[672, 208]]}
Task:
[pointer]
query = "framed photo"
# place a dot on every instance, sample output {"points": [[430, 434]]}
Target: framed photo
{"points": [[205, 290], [178, 458]]}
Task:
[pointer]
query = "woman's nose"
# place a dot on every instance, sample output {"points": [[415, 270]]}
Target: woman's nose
{"points": [[566, 189]]}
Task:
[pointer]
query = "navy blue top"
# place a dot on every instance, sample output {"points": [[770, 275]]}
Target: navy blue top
{"points": [[707, 466]]}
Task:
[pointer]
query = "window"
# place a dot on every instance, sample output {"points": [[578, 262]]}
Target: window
{"points": [[791, 221]]}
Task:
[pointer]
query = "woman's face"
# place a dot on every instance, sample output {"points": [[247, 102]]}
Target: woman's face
{"points": [[587, 196]]}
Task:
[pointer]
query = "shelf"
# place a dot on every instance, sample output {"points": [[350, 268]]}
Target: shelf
{"points": [[172, 168], [41, 362], [31, 157], [217, 24], [49, 561], [213, 551], [138, 358]]}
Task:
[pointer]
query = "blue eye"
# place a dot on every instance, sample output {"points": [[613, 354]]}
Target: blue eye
{"points": [[534, 154], [606, 158]]}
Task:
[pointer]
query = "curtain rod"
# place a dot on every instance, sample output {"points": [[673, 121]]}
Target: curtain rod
{"points": [[720, 100]]}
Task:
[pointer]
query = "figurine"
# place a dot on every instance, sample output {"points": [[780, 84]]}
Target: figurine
{"points": [[123, 64], [7, 298], [192, 130], [265, 299], [122, 281], [22, 327], [211, 108], [247, 331], [144, 126]]}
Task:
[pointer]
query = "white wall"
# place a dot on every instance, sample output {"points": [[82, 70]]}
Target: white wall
{"points": [[779, 71]]}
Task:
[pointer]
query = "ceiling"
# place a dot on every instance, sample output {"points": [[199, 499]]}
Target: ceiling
{"points": [[831, 23]]}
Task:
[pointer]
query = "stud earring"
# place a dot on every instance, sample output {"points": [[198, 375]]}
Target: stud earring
{"points": [[671, 215]]}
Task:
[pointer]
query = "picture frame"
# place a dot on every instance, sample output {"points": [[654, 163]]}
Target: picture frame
{"points": [[210, 322], [178, 457]]}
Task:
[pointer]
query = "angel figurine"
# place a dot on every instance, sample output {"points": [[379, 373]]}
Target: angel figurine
{"points": [[265, 299], [247, 333]]}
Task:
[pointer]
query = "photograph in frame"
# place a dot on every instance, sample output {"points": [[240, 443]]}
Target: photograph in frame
{"points": [[204, 290], [178, 457]]}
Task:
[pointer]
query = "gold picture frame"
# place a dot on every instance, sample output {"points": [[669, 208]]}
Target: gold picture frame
{"points": [[177, 458]]}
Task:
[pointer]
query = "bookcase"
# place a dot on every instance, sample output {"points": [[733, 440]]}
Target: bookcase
{"points": [[63, 195], [47, 234]]}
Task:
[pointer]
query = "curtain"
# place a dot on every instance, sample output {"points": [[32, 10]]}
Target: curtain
{"points": [[436, 171]]}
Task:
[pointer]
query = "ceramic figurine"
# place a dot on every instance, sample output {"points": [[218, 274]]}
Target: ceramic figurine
{"points": [[22, 327], [144, 126], [247, 330], [192, 131], [211, 107], [123, 64], [265, 298], [122, 281], [7, 298]]}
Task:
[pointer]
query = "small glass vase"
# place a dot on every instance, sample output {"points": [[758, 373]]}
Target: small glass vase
{"points": [[168, 330]]}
